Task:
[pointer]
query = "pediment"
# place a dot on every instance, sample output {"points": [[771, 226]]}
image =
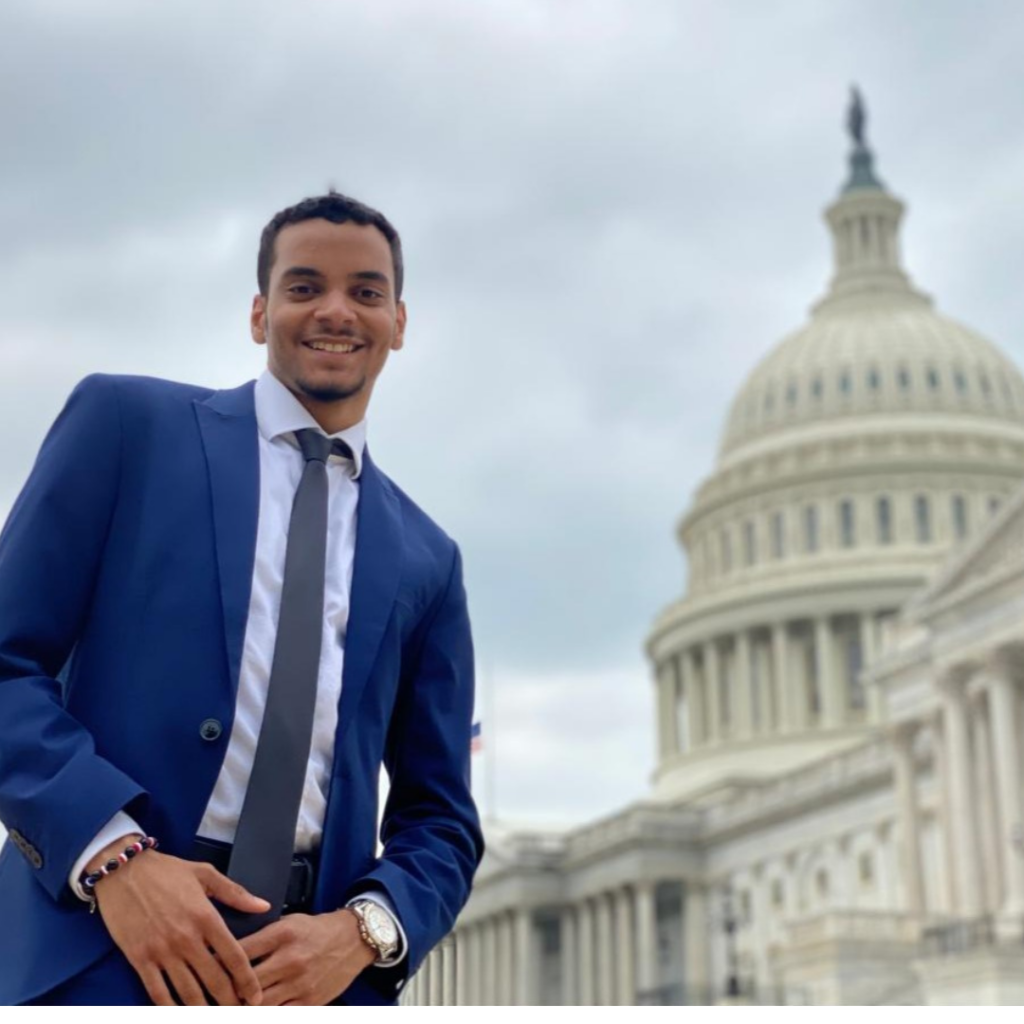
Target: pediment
{"points": [[993, 554]]}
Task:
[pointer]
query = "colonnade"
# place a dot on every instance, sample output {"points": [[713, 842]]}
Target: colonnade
{"points": [[976, 738], [784, 677], [607, 954]]}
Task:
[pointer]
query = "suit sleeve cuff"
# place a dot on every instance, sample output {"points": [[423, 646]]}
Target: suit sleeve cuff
{"points": [[120, 824], [382, 901]]}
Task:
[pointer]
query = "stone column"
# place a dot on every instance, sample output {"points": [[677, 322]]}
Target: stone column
{"points": [[1004, 703], [874, 696], [463, 966], [450, 969], [784, 695], [525, 993], [666, 680], [696, 940], [712, 682], [905, 774], [605, 953], [504, 960], [585, 928], [964, 822], [947, 882], [624, 951], [743, 711], [435, 976], [695, 699], [983, 786], [646, 938], [833, 700], [570, 967], [489, 974]]}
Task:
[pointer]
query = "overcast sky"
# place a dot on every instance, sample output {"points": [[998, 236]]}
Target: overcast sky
{"points": [[610, 209]]}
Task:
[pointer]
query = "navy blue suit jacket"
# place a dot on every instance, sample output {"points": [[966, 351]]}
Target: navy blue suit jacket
{"points": [[125, 571]]}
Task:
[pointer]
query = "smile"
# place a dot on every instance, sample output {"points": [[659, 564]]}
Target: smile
{"points": [[326, 346]]}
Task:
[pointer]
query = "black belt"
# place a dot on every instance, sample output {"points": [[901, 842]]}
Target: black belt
{"points": [[301, 877]]}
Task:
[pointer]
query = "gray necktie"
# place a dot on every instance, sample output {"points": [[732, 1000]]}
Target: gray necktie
{"points": [[264, 841]]}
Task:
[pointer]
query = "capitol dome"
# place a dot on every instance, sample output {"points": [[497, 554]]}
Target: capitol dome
{"points": [[858, 454]]}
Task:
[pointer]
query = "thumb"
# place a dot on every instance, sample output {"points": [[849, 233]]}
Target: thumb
{"points": [[230, 893]]}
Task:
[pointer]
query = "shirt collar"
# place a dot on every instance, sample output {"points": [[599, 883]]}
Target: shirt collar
{"points": [[279, 413]]}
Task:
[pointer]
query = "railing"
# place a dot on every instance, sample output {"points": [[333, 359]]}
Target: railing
{"points": [[961, 936]]}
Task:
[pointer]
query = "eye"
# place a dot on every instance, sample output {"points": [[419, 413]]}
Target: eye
{"points": [[300, 290], [369, 294]]}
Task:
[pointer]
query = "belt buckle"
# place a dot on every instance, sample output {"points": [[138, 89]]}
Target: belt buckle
{"points": [[307, 881]]}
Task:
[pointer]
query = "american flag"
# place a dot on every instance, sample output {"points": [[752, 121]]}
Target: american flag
{"points": [[476, 740]]}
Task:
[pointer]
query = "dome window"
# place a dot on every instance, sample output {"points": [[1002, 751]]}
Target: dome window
{"points": [[903, 377], [750, 542], [959, 516], [922, 519], [986, 384], [791, 393], [847, 524], [816, 388], [810, 529], [844, 383], [726, 552], [883, 513], [769, 403], [960, 381], [779, 535], [874, 379], [993, 504], [933, 379]]}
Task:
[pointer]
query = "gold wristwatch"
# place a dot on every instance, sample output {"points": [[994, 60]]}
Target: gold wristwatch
{"points": [[377, 928]]}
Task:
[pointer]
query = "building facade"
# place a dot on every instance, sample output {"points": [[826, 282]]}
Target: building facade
{"points": [[836, 813]]}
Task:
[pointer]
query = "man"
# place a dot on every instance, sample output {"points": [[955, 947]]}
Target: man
{"points": [[171, 656]]}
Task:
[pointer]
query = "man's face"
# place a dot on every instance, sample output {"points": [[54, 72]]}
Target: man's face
{"points": [[330, 316]]}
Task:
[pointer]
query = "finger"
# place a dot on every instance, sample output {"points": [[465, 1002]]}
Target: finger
{"points": [[156, 987], [280, 994], [185, 984], [215, 979], [274, 969], [263, 942], [235, 961], [224, 890]]}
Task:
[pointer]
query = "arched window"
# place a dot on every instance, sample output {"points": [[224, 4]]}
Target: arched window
{"points": [[960, 382], [810, 528], [959, 516], [816, 388], [874, 379], [883, 516], [844, 384], [847, 524], [779, 535], [791, 393], [933, 379], [993, 504], [750, 541], [903, 378], [726, 544], [922, 519]]}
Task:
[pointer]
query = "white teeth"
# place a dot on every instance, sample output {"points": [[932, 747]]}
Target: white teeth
{"points": [[323, 346]]}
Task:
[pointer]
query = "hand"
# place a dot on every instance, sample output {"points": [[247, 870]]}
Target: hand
{"points": [[157, 909], [308, 960]]}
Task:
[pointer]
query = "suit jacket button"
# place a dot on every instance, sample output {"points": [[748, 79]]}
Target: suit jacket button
{"points": [[210, 730]]}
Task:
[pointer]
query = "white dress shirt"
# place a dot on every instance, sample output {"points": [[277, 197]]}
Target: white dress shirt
{"points": [[278, 415]]}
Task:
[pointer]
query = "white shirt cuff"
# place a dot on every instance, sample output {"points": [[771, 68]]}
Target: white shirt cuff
{"points": [[119, 825], [382, 901]]}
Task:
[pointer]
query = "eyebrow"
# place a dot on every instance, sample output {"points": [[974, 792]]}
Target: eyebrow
{"points": [[302, 272], [359, 275]]}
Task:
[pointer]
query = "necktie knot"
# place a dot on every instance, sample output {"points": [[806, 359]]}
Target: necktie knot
{"points": [[316, 447]]}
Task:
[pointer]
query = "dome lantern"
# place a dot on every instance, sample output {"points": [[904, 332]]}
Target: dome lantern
{"points": [[865, 223]]}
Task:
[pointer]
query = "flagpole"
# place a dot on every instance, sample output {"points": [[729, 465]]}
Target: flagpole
{"points": [[489, 736]]}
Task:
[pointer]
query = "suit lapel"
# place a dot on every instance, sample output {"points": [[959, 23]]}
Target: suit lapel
{"points": [[375, 577], [227, 423]]}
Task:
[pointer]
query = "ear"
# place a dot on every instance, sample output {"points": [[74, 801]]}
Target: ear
{"points": [[258, 319], [399, 339]]}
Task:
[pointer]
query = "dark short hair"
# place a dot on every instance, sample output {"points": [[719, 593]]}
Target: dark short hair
{"points": [[337, 209]]}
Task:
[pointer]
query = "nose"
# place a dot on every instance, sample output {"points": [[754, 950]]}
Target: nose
{"points": [[334, 311]]}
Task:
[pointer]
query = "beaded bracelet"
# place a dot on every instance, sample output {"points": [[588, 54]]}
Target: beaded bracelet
{"points": [[88, 881]]}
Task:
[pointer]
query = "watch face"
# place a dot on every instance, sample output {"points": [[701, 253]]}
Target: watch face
{"points": [[380, 926]]}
